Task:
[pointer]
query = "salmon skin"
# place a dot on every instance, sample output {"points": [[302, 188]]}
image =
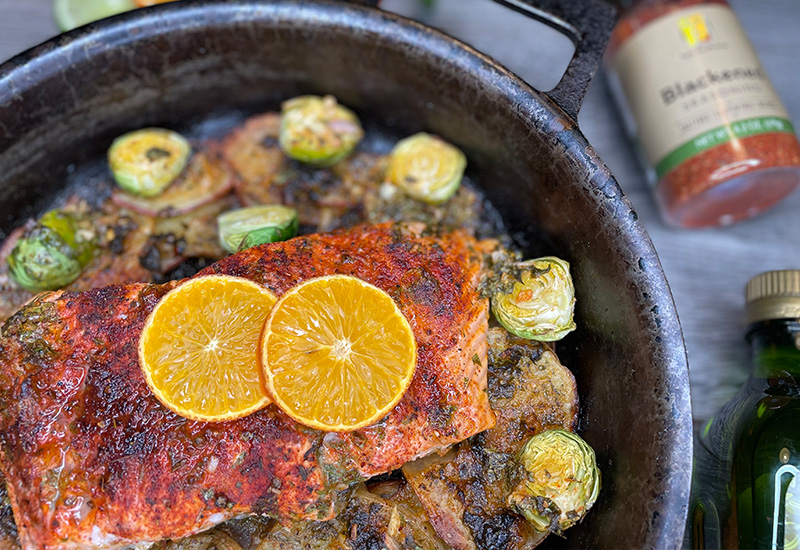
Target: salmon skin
{"points": [[93, 460]]}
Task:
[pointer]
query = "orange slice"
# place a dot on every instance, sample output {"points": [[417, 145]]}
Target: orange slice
{"points": [[199, 348], [337, 353]]}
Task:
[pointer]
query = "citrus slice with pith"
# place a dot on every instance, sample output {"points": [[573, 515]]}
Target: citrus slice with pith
{"points": [[146, 3], [199, 348], [69, 14], [338, 354]]}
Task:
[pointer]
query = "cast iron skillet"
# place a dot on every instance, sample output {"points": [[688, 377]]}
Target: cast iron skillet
{"points": [[201, 66]]}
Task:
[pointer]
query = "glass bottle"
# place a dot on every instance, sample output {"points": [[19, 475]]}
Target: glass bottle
{"points": [[715, 140], [746, 492]]}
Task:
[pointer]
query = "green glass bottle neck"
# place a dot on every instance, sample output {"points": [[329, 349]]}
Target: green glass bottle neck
{"points": [[775, 345]]}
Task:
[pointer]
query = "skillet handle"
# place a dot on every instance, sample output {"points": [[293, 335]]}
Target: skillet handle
{"points": [[588, 23]]}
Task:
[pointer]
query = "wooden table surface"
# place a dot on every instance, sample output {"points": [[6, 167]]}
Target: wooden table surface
{"points": [[707, 269]]}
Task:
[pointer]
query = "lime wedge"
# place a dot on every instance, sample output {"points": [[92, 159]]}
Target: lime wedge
{"points": [[74, 13]]}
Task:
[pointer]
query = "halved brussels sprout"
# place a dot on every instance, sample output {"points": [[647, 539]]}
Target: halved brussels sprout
{"points": [[253, 225], [427, 168], [317, 130], [536, 299], [51, 254], [144, 162], [560, 483]]}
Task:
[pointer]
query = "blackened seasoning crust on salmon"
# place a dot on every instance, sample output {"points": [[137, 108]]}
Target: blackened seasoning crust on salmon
{"points": [[457, 501], [434, 281], [92, 459]]}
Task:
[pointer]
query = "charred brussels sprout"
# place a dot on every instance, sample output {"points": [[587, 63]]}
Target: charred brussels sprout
{"points": [[254, 225], [317, 130], [536, 299], [145, 162], [560, 483], [427, 168], [51, 253]]}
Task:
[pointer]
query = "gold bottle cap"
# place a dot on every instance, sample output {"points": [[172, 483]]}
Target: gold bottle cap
{"points": [[773, 295]]}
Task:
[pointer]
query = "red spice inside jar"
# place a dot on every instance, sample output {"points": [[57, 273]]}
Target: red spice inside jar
{"points": [[731, 181]]}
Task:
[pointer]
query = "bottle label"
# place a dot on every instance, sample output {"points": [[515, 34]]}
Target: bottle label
{"points": [[693, 81]]}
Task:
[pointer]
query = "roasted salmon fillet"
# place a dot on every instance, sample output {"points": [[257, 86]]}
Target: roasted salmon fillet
{"points": [[93, 460], [456, 501]]}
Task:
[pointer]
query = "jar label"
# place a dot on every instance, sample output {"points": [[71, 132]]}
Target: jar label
{"points": [[693, 81]]}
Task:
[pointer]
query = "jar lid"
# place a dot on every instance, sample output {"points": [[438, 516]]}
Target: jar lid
{"points": [[773, 295]]}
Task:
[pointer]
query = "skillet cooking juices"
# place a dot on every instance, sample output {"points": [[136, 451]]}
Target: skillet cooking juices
{"points": [[438, 278]]}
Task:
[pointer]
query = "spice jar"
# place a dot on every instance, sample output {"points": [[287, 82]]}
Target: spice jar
{"points": [[714, 137]]}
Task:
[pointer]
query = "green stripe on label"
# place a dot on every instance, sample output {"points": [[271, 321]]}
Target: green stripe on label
{"points": [[723, 134]]}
